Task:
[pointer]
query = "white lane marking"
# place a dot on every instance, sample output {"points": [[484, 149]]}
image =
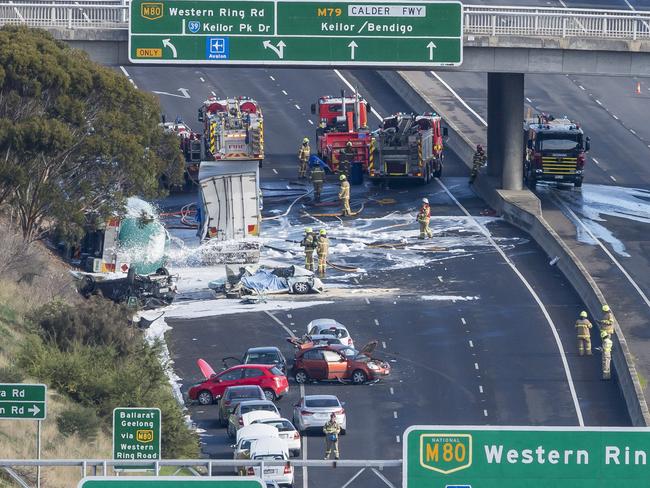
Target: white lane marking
{"points": [[376, 322], [353, 478], [529, 100], [392, 392], [277, 320], [633, 131], [202, 80], [440, 279], [275, 171], [549, 320], [599, 102], [349, 85], [297, 106], [126, 73], [394, 414], [480, 388], [581, 87], [453, 92], [213, 93], [367, 301], [289, 316], [312, 123], [471, 344], [485, 413], [613, 179], [615, 116], [271, 77], [609, 254], [462, 319], [397, 439], [383, 344], [595, 161], [283, 91], [476, 366], [292, 323], [381, 476]]}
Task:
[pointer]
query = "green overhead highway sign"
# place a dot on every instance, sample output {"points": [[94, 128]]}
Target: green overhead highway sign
{"points": [[171, 482], [381, 33], [23, 401], [136, 433], [515, 457]]}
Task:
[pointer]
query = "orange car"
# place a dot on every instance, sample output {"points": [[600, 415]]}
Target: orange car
{"points": [[340, 363]]}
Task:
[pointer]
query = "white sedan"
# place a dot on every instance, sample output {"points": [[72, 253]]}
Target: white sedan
{"points": [[330, 327], [314, 411], [286, 431]]}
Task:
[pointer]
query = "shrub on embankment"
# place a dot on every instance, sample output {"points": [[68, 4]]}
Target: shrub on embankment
{"points": [[91, 352]]}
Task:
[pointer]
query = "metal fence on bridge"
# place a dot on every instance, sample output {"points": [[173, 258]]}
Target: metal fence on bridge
{"points": [[536, 22]]}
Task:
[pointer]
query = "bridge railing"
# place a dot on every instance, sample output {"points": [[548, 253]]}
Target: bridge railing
{"points": [[537, 22], [553, 22]]}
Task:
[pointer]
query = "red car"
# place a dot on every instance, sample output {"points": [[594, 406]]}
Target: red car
{"points": [[337, 362], [267, 376]]}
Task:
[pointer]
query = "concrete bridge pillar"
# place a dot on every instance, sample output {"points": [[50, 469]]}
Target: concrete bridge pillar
{"points": [[505, 125]]}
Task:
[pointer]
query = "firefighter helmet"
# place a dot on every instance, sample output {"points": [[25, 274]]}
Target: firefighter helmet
{"points": [[606, 308], [323, 232], [308, 230], [425, 200], [305, 140], [349, 144], [342, 177], [583, 314], [604, 334]]}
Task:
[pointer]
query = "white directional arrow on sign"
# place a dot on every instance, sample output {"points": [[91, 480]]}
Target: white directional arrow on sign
{"points": [[353, 45], [279, 50], [167, 43], [431, 47], [185, 93], [34, 410]]}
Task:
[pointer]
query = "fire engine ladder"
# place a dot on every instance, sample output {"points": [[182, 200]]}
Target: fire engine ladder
{"points": [[255, 134]]}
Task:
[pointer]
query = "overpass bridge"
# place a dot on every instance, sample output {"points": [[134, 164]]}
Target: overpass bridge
{"points": [[504, 41]]}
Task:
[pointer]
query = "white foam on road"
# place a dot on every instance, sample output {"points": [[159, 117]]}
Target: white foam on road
{"points": [[441, 298], [214, 308]]}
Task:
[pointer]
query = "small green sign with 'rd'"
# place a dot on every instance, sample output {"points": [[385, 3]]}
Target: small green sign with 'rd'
{"points": [[23, 401]]}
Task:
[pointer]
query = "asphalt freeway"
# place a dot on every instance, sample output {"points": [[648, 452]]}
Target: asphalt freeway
{"points": [[490, 356]]}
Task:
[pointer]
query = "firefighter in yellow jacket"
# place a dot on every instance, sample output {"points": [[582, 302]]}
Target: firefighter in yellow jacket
{"points": [[332, 429], [309, 243], [303, 156], [607, 354], [424, 216], [344, 195], [322, 250], [607, 322], [583, 328]]}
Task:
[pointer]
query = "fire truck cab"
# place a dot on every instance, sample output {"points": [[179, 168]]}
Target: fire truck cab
{"points": [[555, 150], [342, 120]]}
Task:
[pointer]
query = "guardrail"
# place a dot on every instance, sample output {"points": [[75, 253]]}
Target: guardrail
{"points": [[478, 20]]}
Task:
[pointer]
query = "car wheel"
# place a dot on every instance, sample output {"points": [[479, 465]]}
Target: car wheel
{"points": [[301, 288], [205, 398], [301, 376], [343, 432], [270, 395], [359, 377]]}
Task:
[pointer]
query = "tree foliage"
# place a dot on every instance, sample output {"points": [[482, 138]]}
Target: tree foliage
{"points": [[76, 138]]}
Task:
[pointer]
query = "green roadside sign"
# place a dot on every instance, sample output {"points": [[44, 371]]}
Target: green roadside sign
{"points": [[515, 457], [401, 33], [23, 401], [171, 482], [136, 434]]}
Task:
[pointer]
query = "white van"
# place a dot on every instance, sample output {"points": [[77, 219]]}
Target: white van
{"points": [[246, 436], [271, 449]]}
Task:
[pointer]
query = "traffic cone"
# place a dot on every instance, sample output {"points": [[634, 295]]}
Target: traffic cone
{"points": [[638, 88]]}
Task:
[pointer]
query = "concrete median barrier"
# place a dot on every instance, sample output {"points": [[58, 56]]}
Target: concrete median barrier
{"points": [[523, 209]]}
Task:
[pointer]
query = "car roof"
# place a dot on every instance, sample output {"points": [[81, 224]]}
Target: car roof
{"points": [[243, 387], [325, 323], [269, 445], [263, 349], [321, 397], [256, 402], [248, 366], [272, 419], [257, 430], [250, 417], [327, 337]]}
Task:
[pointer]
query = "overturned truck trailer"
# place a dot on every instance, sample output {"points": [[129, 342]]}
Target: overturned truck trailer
{"points": [[229, 212]]}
